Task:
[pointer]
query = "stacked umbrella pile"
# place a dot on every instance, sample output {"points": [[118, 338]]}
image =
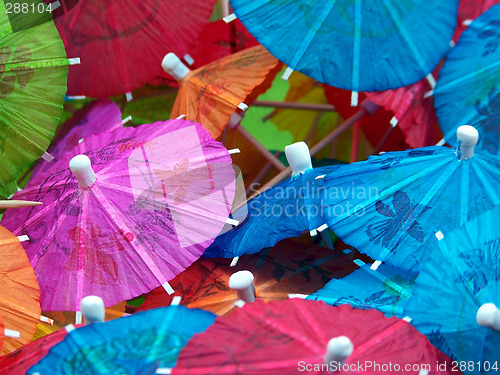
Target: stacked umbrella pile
{"points": [[249, 187]]}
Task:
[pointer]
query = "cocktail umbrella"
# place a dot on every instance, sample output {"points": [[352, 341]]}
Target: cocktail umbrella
{"points": [[19, 299], [413, 111], [124, 41], [309, 125], [363, 46], [288, 267], [219, 39], [150, 104], [283, 211], [133, 216], [469, 10], [137, 344], [94, 118], [211, 94], [289, 337], [467, 91], [448, 299], [393, 205], [23, 358], [61, 319], [374, 125], [19, 361], [386, 289], [33, 68]]}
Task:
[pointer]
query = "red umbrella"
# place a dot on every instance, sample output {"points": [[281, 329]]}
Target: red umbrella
{"points": [[219, 39], [469, 10], [374, 126], [413, 113], [289, 337], [19, 361], [122, 42]]}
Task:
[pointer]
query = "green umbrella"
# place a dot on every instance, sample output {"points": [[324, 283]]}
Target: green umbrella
{"points": [[33, 70]]}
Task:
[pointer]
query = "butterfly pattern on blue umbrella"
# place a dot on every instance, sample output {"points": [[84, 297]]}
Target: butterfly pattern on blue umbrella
{"points": [[462, 275], [398, 216], [409, 197], [386, 289], [467, 91]]}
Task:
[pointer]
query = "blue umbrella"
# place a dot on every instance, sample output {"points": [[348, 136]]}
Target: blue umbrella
{"points": [[392, 206], [356, 45], [283, 211], [468, 88], [385, 289], [462, 275], [137, 344]]}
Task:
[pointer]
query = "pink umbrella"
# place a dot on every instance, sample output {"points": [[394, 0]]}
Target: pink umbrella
{"points": [[96, 117], [145, 204]]}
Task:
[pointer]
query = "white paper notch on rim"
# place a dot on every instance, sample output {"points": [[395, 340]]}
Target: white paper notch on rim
{"points": [[240, 303], [439, 235], [232, 221], [69, 328], [78, 317], [234, 261], [298, 295], [375, 265], [47, 157], [46, 319], [12, 333], [187, 58], [288, 72], [354, 98], [176, 301], [229, 18], [74, 61], [54, 5], [242, 106], [23, 238], [168, 288], [164, 370], [394, 121]]}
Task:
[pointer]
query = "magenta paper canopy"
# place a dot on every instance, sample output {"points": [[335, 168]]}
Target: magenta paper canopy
{"points": [[162, 194], [96, 117]]}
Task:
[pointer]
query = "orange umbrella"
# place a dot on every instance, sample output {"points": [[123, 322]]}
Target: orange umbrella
{"points": [[2, 330], [288, 267], [19, 299], [211, 94]]}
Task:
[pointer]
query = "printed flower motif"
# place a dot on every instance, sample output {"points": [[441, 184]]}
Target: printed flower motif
{"points": [[492, 35], [174, 182], [393, 161], [402, 216], [96, 247], [482, 265], [23, 74], [489, 124]]}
